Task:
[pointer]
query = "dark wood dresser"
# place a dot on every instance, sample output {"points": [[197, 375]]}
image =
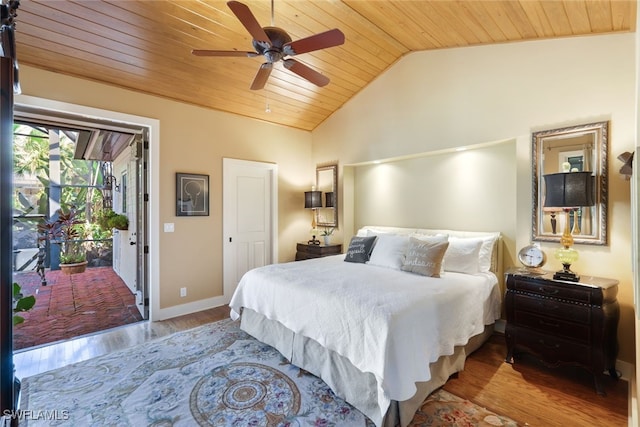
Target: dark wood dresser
{"points": [[307, 251], [563, 323]]}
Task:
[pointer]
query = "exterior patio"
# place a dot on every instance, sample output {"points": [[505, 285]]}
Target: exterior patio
{"points": [[73, 305]]}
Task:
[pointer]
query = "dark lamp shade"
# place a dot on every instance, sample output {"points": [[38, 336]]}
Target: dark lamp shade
{"points": [[329, 199], [569, 190], [312, 199]]}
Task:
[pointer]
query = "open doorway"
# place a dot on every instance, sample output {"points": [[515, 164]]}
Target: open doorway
{"points": [[97, 169]]}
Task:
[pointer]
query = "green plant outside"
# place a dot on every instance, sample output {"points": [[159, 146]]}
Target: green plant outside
{"points": [[66, 230], [103, 217], [79, 178], [75, 256], [120, 222], [80, 182], [21, 303], [108, 219]]}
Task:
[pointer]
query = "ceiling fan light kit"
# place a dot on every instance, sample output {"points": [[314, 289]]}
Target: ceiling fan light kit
{"points": [[276, 45]]}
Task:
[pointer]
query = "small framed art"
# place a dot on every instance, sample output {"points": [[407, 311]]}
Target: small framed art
{"points": [[192, 194]]}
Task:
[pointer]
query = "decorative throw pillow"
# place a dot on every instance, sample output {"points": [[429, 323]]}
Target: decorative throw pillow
{"points": [[424, 256], [389, 250], [439, 237], [360, 249], [463, 255]]}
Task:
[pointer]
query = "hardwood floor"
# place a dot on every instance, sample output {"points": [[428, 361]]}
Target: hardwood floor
{"points": [[525, 391], [535, 395], [45, 358]]}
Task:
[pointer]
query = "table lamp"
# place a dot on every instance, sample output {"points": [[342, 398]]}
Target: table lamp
{"points": [[569, 191], [313, 200]]}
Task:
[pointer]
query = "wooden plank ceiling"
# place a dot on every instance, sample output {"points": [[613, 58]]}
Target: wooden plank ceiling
{"points": [[146, 45]]}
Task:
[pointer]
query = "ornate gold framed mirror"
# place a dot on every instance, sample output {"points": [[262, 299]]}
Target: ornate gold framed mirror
{"points": [[327, 183], [581, 148]]}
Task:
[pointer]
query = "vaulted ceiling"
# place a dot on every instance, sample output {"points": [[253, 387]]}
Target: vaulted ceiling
{"points": [[146, 46]]}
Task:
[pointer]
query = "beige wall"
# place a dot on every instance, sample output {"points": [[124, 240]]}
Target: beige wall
{"points": [[634, 404], [195, 140], [438, 100], [443, 190]]}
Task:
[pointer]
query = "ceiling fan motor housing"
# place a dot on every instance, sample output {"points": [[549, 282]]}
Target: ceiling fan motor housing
{"points": [[278, 38]]}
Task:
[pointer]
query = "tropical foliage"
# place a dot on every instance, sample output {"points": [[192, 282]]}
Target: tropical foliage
{"points": [[108, 219], [78, 178], [80, 183], [66, 230], [21, 303]]}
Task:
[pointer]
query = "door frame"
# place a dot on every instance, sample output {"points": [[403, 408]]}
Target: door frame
{"points": [[227, 199], [153, 177]]}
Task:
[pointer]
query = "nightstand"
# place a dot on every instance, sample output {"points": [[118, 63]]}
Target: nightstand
{"points": [[563, 323], [307, 251]]}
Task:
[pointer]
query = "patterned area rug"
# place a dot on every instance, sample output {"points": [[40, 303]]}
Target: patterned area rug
{"points": [[213, 375], [73, 305], [445, 409]]}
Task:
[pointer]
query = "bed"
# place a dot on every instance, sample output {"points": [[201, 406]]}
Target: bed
{"points": [[385, 332]]}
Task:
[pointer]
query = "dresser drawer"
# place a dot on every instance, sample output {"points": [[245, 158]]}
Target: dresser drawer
{"points": [[571, 292], [552, 307], [563, 323], [550, 349], [561, 328], [306, 251]]}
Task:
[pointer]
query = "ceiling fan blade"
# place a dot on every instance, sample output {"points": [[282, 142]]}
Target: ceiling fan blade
{"points": [[318, 41], [243, 13], [306, 72], [261, 78], [208, 52]]}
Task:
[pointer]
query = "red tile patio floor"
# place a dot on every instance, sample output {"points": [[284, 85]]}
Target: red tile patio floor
{"points": [[73, 305]]}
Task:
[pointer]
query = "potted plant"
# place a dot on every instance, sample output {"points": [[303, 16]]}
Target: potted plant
{"points": [[65, 229], [326, 235], [119, 222], [108, 219]]}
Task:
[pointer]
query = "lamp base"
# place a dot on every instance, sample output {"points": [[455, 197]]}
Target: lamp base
{"points": [[566, 274], [313, 241]]}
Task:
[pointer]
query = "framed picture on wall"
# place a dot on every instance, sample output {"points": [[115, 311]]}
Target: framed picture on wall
{"points": [[192, 194]]}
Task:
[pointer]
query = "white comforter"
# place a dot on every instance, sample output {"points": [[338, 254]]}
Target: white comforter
{"points": [[387, 322]]}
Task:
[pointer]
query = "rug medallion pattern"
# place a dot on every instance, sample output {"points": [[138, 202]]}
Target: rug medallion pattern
{"points": [[214, 375]]}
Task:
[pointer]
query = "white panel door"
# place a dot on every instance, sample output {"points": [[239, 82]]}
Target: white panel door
{"points": [[249, 218]]}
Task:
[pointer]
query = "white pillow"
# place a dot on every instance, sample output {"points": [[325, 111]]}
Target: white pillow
{"points": [[463, 255], [430, 237], [389, 250], [486, 253]]}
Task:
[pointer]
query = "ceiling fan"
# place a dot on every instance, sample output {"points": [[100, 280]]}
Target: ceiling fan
{"points": [[275, 45]]}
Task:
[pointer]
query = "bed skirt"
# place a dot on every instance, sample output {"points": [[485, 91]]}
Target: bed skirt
{"points": [[356, 387]]}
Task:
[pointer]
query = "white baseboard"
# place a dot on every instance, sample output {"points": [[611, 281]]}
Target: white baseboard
{"points": [[188, 308], [627, 370]]}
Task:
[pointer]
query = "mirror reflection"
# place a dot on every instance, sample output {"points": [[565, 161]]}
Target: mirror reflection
{"points": [[327, 183], [580, 148]]}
